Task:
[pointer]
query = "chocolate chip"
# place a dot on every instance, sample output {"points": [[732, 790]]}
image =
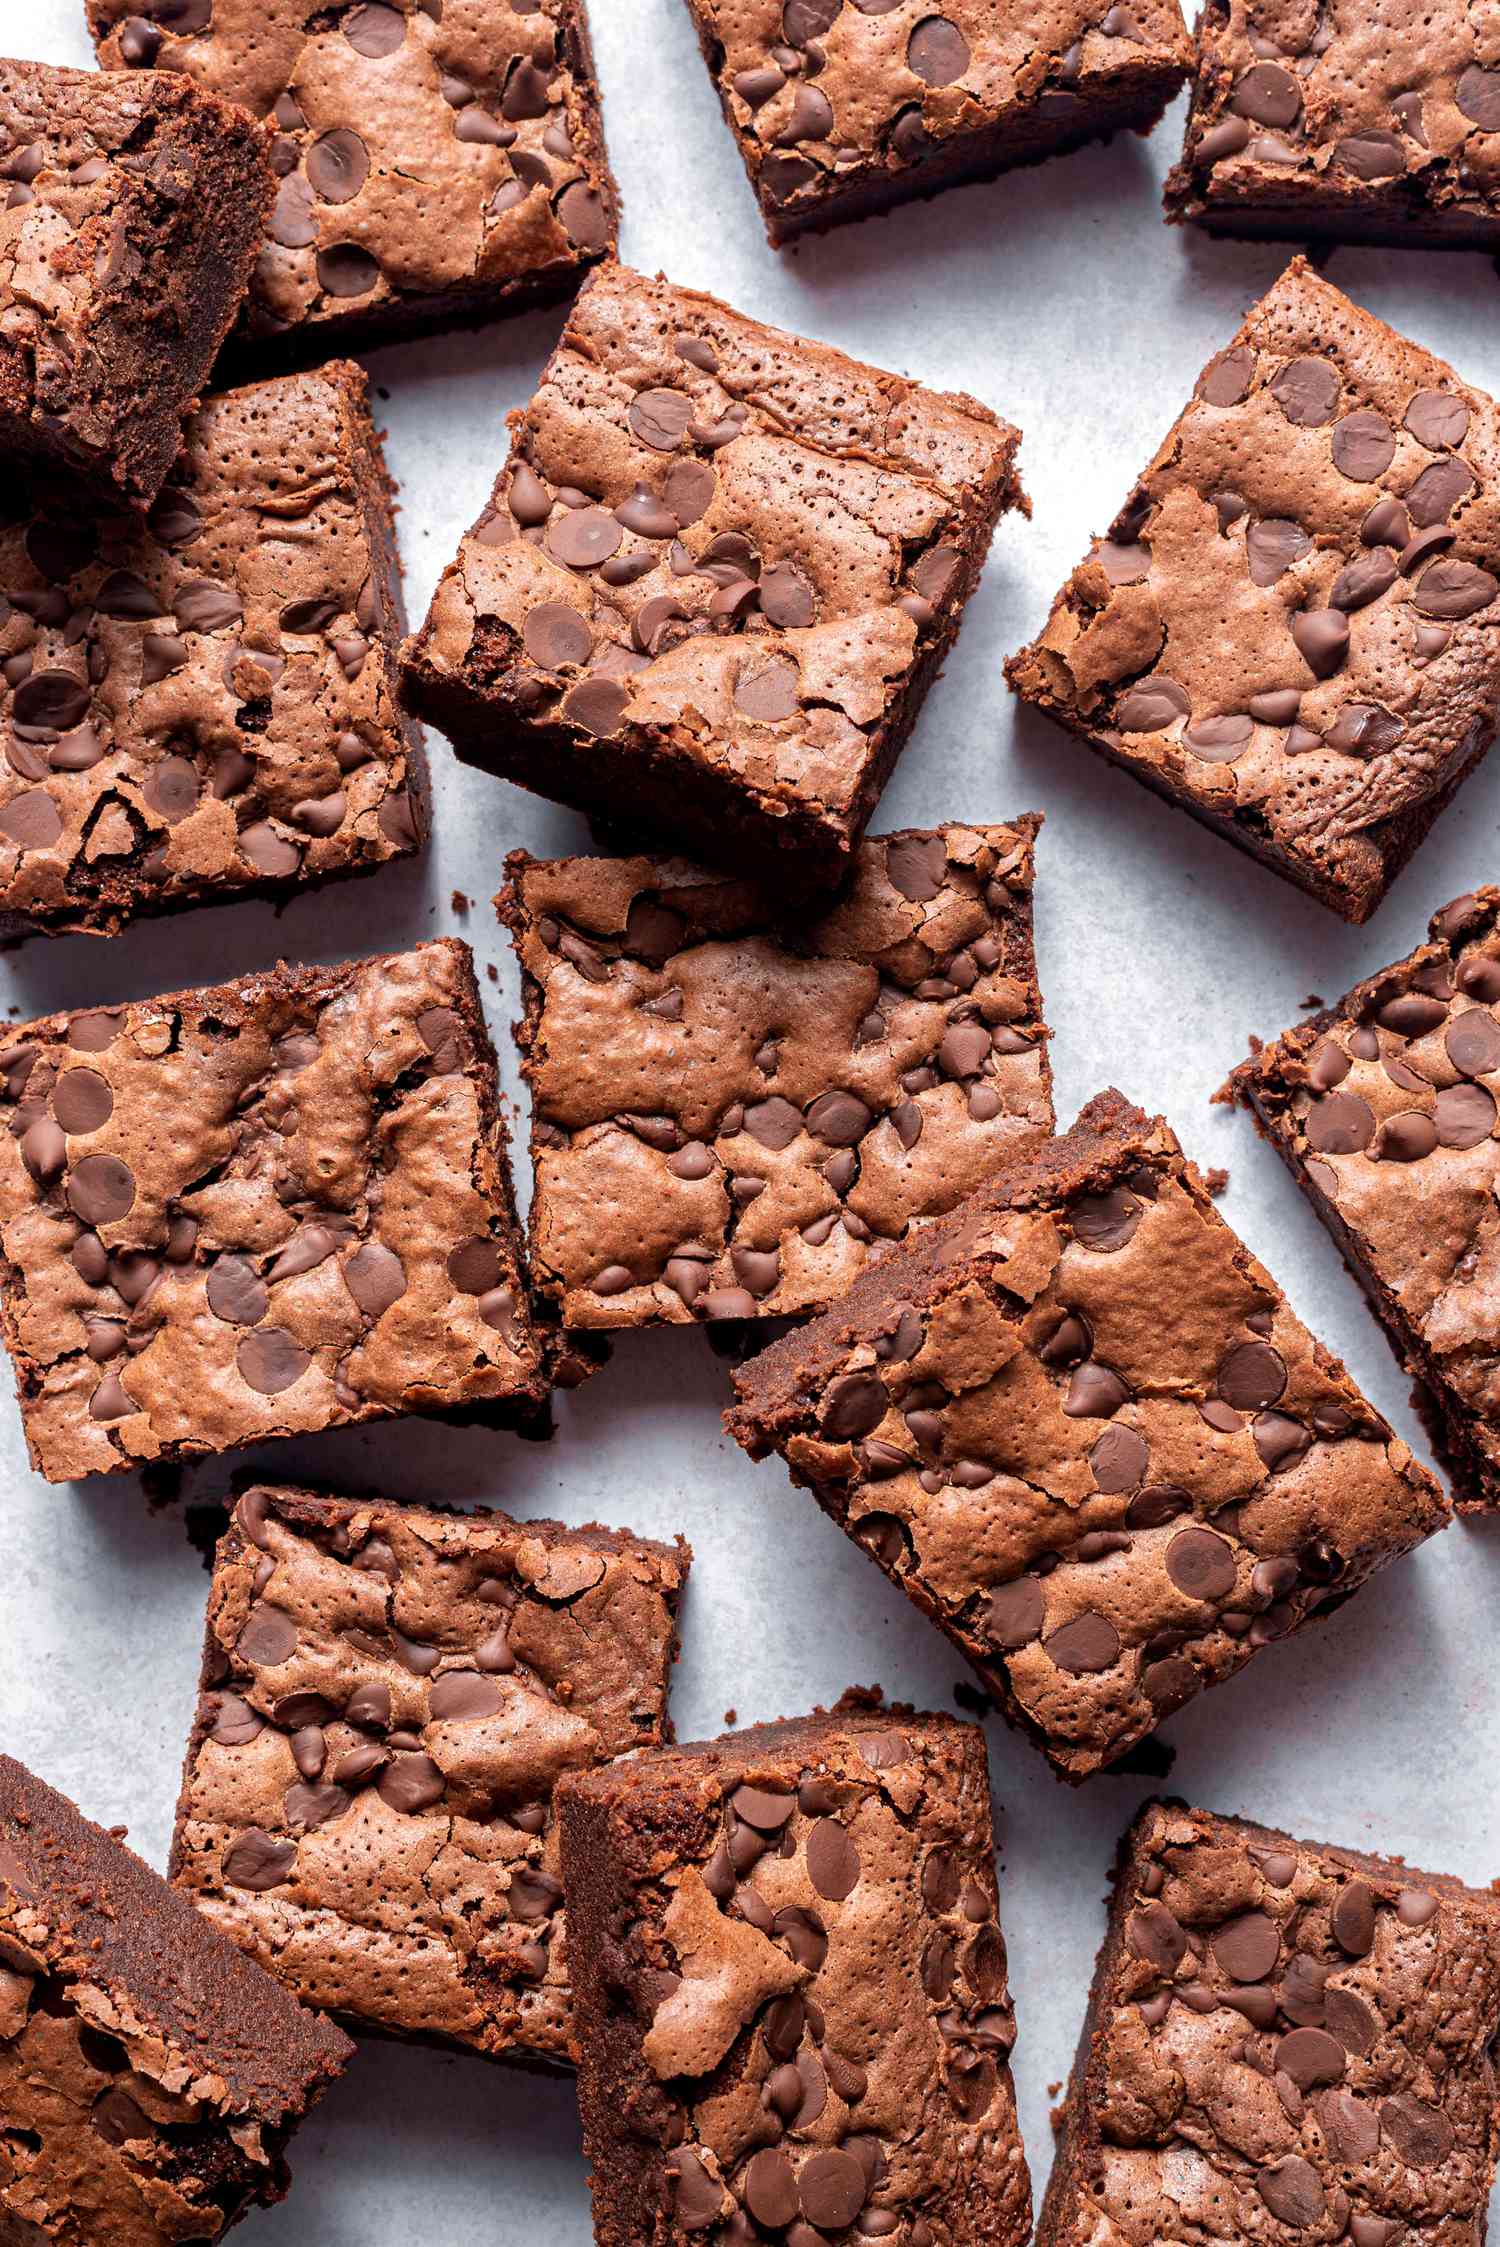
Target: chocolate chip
{"points": [[1253, 1374], [410, 1783], [270, 1361], [1478, 96], [345, 269], [1422, 2135], [832, 2188], [1464, 1115], [1087, 1644], [1311, 2057], [256, 1862], [832, 1860], [770, 2189], [1152, 705], [1437, 491], [660, 418], [462, 1696], [1292, 2191], [1201, 1564], [374, 30], [786, 598], [50, 702], [1322, 637], [1094, 1392], [101, 1190], [698, 2196], [236, 1292], [1268, 95], [1247, 1947], [1368, 576], [1437, 419], [1307, 391], [83, 1101], [1272, 546], [1105, 1222], [1155, 1935], [1453, 589], [937, 52], [853, 1406], [1370, 155], [1015, 1614], [1364, 445], [1118, 1460], [596, 705], [1353, 1918], [338, 165], [1226, 382], [583, 537]]}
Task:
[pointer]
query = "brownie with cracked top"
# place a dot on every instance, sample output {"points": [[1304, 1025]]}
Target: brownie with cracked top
{"points": [[434, 162], [791, 2002], [716, 577], [389, 1696], [201, 703], [1289, 630], [272, 1206], [1326, 120], [1285, 2040], [734, 1107], [127, 235], [1081, 1428], [149, 2076], [842, 108]]}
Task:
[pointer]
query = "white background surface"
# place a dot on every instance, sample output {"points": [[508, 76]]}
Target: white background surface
{"points": [[1059, 297]]}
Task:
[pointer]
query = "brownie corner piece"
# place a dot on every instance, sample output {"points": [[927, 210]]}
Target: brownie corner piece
{"points": [[716, 577], [149, 2076], [1288, 631], [785, 1944]]}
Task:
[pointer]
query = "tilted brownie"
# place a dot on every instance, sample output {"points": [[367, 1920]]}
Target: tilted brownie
{"points": [[149, 2075], [1384, 1109], [1336, 122], [844, 107], [127, 234], [389, 1696], [1285, 2041], [717, 576], [272, 1206], [734, 1107], [432, 164], [792, 2013], [1081, 1428], [1289, 631], [202, 703]]}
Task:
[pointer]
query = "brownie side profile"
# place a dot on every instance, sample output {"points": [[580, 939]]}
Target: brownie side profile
{"points": [[841, 111], [1383, 1108], [1080, 1426], [733, 1108], [149, 2076], [269, 1207], [1289, 630], [791, 2004], [128, 233], [389, 1695], [201, 704], [715, 580], [432, 168], [1284, 2040]]}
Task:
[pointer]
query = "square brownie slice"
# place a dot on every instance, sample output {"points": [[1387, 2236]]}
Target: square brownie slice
{"points": [[716, 578], [201, 704], [1284, 2039], [149, 2076], [733, 1106], [1289, 630], [791, 2008], [433, 166], [1081, 1427], [842, 108], [389, 1696], [268, 1207], [132, 220]]}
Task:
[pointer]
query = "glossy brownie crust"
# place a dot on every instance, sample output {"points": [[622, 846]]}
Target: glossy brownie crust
{"points": [[1078, 1424], [792, 2013], [1285, 2040], [278, 1205], [714, 582], [149, 2075], [389, 1695], [734, 1107], [127, 236], [1289, 631]]}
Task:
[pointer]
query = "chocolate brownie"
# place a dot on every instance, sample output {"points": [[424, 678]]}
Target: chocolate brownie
{"points": [[149, 2075], [127, 235], [389, 1695], [841, 111], [278, 1205], [717, 576], [1080, 1426], [792, 2013], [433, 164], [734, 1106], [1333, 121], [202, 703], [1289, 630], [1285, 2040]]}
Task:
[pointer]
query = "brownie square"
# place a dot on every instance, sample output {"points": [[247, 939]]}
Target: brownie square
{"points": [[389, 1696], [1078, 1423], [434, 165], [1284, 2040], [1383, 1108], [733, 1106], [1338, 122], [273, 1206], [1289, 630], [843, 110], [129, 228], [716, 578], [792, 2013], [149, 2076], [200, 704]]}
